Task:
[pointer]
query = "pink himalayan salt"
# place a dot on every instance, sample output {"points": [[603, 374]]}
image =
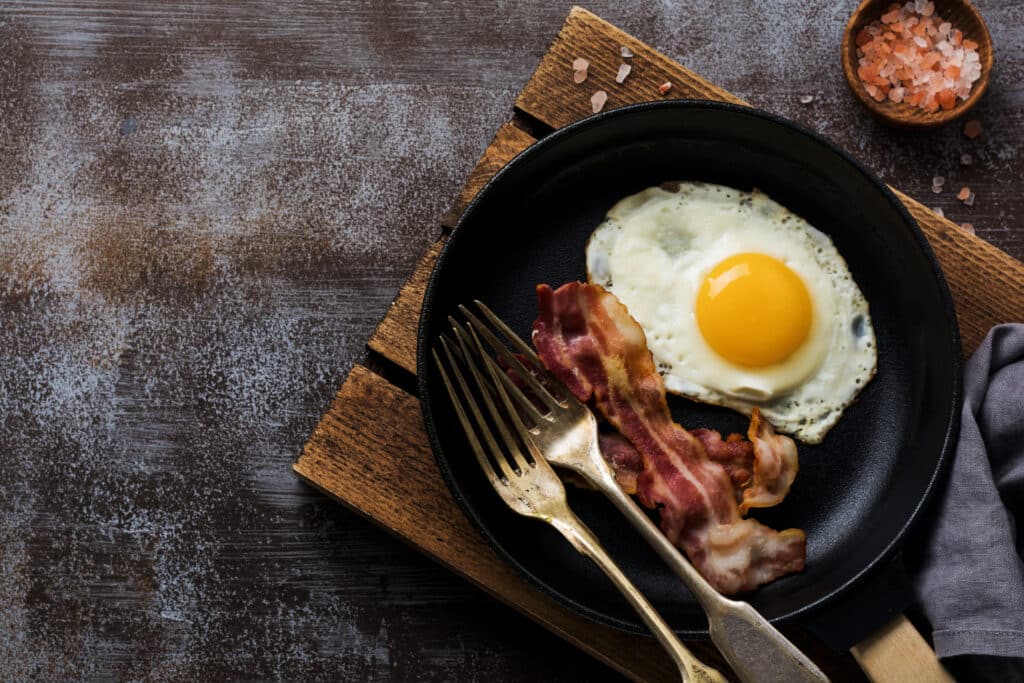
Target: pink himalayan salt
{"points": [[579, 70], [597, 100], [913, 55]]}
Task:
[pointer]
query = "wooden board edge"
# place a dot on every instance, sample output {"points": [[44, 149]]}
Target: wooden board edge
{"points": [[551, 97], [507, 143], [394, 338]]}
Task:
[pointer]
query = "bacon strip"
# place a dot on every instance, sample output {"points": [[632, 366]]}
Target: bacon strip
{"points": [[734, 453], [775, 465], [626, 461], [587, 339]]}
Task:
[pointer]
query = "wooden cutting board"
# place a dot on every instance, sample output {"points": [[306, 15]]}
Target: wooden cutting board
{"points": [[370, 451]]}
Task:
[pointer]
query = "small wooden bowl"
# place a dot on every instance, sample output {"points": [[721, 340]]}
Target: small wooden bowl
{"points": [[963, 16]]}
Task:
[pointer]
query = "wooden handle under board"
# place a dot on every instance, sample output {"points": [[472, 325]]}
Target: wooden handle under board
{"points": [[897, 652]]}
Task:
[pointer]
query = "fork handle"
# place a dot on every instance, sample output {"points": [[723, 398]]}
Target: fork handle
{"points": [[754, 648], [582, 538]]}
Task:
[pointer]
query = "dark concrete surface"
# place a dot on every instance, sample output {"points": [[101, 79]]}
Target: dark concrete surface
{"points": [[205, 208]]}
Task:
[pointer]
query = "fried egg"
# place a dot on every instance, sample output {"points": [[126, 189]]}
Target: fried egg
{"points": [[744, 304]]}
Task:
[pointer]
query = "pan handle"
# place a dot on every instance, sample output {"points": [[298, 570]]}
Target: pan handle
{"points": [[864, 608], [868, 620], [897, 652]]}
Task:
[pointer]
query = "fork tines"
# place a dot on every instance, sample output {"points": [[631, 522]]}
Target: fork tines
{"points": [[500, 452]]}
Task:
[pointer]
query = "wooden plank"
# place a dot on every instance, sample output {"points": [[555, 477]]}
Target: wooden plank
{"points": [[986, 283], [507, 143], [897, 652], [395, 336], [383, 469], [553, 98]]}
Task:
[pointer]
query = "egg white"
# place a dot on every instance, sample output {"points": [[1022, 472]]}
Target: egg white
{"points": [[655, 248]]}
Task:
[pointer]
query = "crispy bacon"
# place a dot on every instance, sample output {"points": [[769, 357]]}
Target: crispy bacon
{"points": [[734, 453], [761, 469], [587, 339], [775, 465]]}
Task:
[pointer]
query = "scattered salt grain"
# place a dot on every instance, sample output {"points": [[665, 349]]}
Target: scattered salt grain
{"points": [[912, 55], [964, 193], [970, 200], [938, 180], [625, 52], [665, 87], [967, 227], [966, 159], [624, 70], [597, 100], [972, 128], [939, 212], [937, 189], [806, 99], [579, 70]]}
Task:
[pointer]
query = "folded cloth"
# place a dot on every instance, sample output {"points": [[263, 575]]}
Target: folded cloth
{"points": [[971, 580]]}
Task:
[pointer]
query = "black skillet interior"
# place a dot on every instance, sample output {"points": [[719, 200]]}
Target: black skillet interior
{"points": [[857, 492]]}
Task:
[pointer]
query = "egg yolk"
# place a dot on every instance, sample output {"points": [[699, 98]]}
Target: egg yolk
{"points": [[753, 310]]}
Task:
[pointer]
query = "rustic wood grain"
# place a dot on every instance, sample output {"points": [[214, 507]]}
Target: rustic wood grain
{"points": [[395, 336], [986, 284], [552, 97], [509, 141], [383, 469], [897, 652]]}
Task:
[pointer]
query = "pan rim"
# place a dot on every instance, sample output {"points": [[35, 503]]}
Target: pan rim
{"points": [[952, 428]]}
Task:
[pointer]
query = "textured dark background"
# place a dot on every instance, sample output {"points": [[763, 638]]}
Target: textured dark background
{"points": [[205, 208]]}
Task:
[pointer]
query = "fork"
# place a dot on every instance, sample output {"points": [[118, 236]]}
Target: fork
{"points": [[531, 488], [565, 431]]}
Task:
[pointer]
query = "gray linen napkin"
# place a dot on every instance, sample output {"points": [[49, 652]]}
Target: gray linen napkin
{"points": [[971, 582]]}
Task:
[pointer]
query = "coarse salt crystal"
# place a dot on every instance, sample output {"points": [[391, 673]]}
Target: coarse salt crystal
{"points": [[967, 227], [580, 63], [806, 99], [625, 52], [938, 181], [579, 76], [598, 100], [970, 200], [937, 189], [966, 159], [964, 193], [665, 87], [922, 54], [939, 212], [624, 70]]}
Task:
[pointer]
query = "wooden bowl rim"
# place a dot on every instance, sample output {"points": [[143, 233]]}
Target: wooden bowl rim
{"points": [[887, 110]]}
